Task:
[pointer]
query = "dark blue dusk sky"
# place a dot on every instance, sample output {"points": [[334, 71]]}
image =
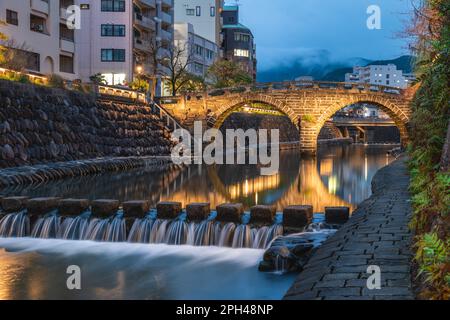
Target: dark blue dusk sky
{"points": [[287, 29]]}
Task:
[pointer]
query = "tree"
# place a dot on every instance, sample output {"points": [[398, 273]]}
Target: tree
{"points": [[191, 83], [155, 59], [177, 63], [98, 78], [3, 38], [14, 56], [226, 73]]}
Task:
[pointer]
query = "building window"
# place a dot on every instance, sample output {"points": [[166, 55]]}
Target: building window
{"points": [[12, 17], [199, 50], [66, 64], [209, 54], [113, 5], [198, 11], [241, 37], [37, 24], [113, 79], [198, 68], [113, 55], [212, 11], [113, 30], [190, 12], [241, 53], [66, 33]]}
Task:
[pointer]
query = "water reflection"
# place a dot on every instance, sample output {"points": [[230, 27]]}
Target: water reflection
{"points": [[340, 176]]}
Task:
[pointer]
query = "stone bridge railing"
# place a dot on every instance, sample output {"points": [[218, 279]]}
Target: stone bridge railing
{"points": [[291, 86]]}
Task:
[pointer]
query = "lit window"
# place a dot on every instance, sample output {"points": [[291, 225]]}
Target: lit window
{"points": [[114, 78], [241, 53]]}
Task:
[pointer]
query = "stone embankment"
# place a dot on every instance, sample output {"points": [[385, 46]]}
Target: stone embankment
{"points": [[40, 125], [376, 235], [42, 173]]}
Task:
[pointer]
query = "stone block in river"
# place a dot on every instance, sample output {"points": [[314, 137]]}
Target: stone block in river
{"points": [[198, 211], [168, 210], [40, 206], [230, 212], [262, 214], [73, 207], [14, 204], [136, 209], [297, 217], [104, 208], [337, 215]]}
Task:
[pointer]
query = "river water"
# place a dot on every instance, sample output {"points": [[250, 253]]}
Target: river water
{"points": [[36, 268], [340, 176]]}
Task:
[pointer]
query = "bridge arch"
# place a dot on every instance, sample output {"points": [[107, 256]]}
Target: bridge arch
{"points": [[222, 113], [395, 112]]}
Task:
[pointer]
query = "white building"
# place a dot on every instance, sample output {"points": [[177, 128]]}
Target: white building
{"points": [[118, 36], [387, 75], [203, 15], [202, 51], [113, 40], [38, 28]]}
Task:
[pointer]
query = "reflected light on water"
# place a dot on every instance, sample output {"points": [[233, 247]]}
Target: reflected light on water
{"points": [[339, 176]]}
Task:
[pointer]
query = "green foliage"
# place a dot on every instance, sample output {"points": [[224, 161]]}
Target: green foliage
{"points": [[140, 84], [56, 81], [226, 74], [15, 76], [433, 255], [429, 187], [3, 38], [190, 83], [97, 78]]}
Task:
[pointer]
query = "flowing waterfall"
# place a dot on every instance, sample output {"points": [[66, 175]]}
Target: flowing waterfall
{"points": [[243, 237], [47, 227], [75, 228], [141, 231], [226, 235], [111, 229], [145, 230], [15, 225], [265, 235]]}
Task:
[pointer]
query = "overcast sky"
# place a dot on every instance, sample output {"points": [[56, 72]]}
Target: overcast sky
{"points": [[286, 29]]}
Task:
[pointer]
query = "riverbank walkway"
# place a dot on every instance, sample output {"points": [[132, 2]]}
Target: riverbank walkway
{"points": [[376, 235]]}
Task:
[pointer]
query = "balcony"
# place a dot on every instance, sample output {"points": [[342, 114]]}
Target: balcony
{"points": [[166, 35], [166, 18], [40, 6], [167, 3], [144, 22], [142, 45], [148, 3], [66, 45]]}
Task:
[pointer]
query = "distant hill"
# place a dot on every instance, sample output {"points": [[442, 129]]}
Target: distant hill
{"points": [[328, 71]]}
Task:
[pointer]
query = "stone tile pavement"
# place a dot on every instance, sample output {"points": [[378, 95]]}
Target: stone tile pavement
{"points": [[377, 234]]}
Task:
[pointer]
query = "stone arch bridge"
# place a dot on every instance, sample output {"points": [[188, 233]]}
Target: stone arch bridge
{"points": [[309, 105]]}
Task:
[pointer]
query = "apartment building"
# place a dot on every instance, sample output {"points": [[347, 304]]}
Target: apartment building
{"points": [[114, 38], [238, 42], [203, 15], [201, 51], [117, 37], [37, 29], [387, 75]]}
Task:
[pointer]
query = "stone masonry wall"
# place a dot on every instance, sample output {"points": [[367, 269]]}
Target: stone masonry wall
{"points": [[40, 124]]}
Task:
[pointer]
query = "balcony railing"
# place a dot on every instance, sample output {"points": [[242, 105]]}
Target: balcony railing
{"points": [[166, 17], [144, 22], [67, 45]]}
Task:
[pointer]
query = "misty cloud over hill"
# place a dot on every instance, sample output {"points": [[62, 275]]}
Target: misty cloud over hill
{"points": [[321, 67]]}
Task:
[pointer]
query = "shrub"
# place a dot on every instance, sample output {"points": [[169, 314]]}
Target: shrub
{"points": [[56, 81]]}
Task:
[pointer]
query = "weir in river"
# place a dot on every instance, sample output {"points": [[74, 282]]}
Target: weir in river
{"points": [[134, 222]]}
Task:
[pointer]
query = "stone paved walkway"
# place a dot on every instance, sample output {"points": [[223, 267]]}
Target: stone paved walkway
{"points": [[377, 234]]}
